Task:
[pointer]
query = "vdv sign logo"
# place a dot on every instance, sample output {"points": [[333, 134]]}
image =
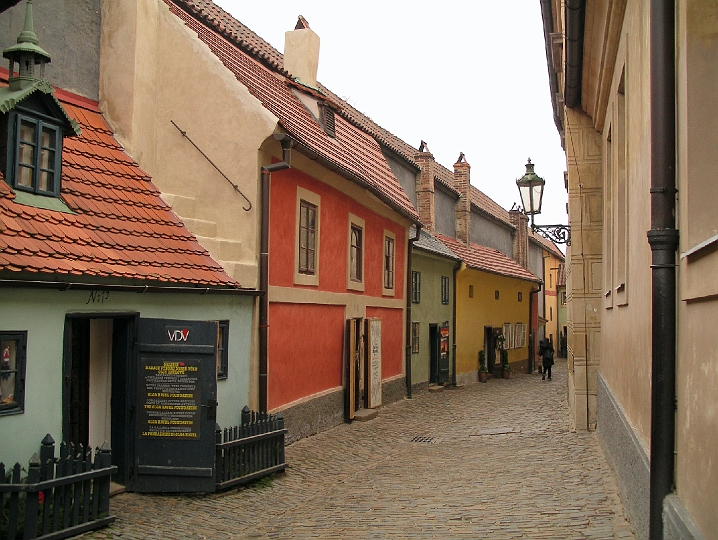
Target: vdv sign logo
{"points": [[178, 334]]}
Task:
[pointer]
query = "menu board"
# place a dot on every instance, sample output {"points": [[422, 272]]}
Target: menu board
{"points": [[170, 397], [374, 363]]}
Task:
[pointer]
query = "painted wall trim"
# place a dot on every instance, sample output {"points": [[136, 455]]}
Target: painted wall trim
{"points": [[312, 296]]}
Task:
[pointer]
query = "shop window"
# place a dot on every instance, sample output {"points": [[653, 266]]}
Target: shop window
{"points": [[415, 287], [222, 349], [13, 347]]}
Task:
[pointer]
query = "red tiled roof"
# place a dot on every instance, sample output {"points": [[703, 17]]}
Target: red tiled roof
{"points": [[488, 259], [120, 229], [352, 152], [561, 277]]}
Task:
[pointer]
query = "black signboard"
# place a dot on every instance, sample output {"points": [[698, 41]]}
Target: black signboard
{"points": [[171, 398]]}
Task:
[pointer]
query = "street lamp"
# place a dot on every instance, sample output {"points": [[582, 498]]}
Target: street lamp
{"points": [[531, 190]]}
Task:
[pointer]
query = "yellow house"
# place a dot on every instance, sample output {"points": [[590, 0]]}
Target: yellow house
{"points": [[492, 300]]}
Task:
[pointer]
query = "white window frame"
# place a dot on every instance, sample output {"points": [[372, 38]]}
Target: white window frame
{"points": [[299, 277]]}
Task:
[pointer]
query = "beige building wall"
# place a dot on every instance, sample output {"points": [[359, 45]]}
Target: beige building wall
{"points": [[154, 71], [697, 346]]}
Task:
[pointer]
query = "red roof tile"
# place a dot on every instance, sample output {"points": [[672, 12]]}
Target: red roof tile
{"points": [[488, 259], [255, 64], [120, 228]]}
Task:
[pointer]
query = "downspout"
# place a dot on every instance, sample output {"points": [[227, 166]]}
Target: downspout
{"points": [[459, 267], [267, 170], [575, 18], [532, 351], [408, 309], [663, 239]]}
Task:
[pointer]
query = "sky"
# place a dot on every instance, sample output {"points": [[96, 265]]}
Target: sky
{"points": [[464, 76]]}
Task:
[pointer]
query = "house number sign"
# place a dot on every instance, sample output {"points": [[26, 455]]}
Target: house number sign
{"points": [[170, 398]]}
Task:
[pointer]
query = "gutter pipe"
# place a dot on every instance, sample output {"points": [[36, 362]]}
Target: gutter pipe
{"points": [[663, 239], [532, 351], [85, 286], [267, 170], [575, 19], [408, 310], [458, 268]]}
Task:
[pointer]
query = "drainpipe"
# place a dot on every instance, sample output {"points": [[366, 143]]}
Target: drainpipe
{"points": [[408, 310], [663, 239], [267, 170], [531, 327], [459, 266]]}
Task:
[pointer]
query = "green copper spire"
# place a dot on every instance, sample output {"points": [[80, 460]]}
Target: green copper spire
{"points": [[27, 43], [28, 32]]}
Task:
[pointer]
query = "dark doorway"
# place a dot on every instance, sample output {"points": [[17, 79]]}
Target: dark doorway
{"points": [[434, 353], [490, 348], [79, 383]]}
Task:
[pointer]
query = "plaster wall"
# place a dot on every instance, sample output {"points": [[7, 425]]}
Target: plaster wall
{"points": [[430, 310], [42, 313], [154, 71], [473, 314], [487, 232], [406, 175], [444, 205], [69, 31]]}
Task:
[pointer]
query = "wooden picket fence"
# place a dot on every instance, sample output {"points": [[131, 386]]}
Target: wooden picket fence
{"points": [[60, 497], [251, 450]]}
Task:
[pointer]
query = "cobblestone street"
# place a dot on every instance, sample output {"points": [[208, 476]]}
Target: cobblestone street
{"points": [[491, 460]]}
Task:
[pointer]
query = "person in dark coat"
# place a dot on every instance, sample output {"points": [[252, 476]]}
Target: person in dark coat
{"points": [[546, 353]]}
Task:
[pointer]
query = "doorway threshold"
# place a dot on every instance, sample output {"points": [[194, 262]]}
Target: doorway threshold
{"points": [[364, 415]]}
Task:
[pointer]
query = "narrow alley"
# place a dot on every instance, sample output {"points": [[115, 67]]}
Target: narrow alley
{"points": [[491, 460]]}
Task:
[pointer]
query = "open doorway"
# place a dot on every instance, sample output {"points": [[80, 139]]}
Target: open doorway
{"points": [[97, 360]]}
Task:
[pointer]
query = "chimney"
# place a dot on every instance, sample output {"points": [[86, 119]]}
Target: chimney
{"points": [[425, 187], [301, 53], [521, 237], [462, 210]]}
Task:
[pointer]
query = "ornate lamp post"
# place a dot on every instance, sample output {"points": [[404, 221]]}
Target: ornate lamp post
{"points": [[531, 190]]}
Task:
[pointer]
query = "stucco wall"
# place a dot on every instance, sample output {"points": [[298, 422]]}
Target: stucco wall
{"points": [[430, 310], [42, 313], [69, 31], [473, 314], [444, 204], [487, 232], [406, 175], [154, 71]]}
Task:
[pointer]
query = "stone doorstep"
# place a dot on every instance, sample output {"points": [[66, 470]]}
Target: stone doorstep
{"points": [[116, 489], [364, 415], [436, 388]]}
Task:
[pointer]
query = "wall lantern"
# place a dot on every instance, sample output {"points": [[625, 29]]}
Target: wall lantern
{"points": [[531, 190]]}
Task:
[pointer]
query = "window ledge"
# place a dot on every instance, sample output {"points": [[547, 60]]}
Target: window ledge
{"points": [[711, 243], [46, 202]]}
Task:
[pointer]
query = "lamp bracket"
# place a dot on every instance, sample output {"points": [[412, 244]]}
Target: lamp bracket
{"points": [[558, 234]]}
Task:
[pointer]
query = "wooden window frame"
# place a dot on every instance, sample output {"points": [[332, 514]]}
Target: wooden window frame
{"points": [[302, 277], [222, 349], [389, 279], [445, 290], [415, 287], [55, 167], [415, 337], [356, 250], [17, 405]]}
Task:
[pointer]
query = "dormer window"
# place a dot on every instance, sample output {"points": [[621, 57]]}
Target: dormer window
{"points": [[328, 120], [34, 155]]}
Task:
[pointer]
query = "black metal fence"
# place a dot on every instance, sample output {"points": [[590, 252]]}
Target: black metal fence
{"points": [[60, 496], [251, 450]]}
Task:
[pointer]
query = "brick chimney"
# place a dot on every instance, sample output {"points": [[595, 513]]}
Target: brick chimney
{"points": [[462, 210], [425, 187], [301, 53], [521, 237]]}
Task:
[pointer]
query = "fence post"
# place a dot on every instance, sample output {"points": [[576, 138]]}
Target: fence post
{"points": [[280, 425], [31, 499], [246, 415], [47, 453], [217, 454], [105, 460]]}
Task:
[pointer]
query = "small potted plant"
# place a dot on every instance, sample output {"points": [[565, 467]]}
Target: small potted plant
{"points": [[506, 368], [483, 371]]}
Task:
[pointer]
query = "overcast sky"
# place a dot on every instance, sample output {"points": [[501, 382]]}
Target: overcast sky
{"points": [[464, 76]]}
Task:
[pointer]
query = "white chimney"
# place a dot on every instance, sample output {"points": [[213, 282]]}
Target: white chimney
{"points": [[301, 53]]}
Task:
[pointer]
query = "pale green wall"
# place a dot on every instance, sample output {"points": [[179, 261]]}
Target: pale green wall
{"points": [[430, 309], [42, 313]]}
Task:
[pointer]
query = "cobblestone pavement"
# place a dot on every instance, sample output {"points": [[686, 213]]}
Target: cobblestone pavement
{"points": [[497, 461]]}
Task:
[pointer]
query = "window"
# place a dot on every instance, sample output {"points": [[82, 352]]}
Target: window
{"points": [[506, 331], [444, 290], [563, 298], [414, 337], [306, 254], [519, 335], [550, 310], [307, 237], [13, 347], [355, 256], [415, 287], [222, 349], [36, 158], [521, 297], [471, 291], [496, 295], [389, 262]]}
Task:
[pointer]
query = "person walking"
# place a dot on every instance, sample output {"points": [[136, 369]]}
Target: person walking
{"points": [[546, 353]]}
